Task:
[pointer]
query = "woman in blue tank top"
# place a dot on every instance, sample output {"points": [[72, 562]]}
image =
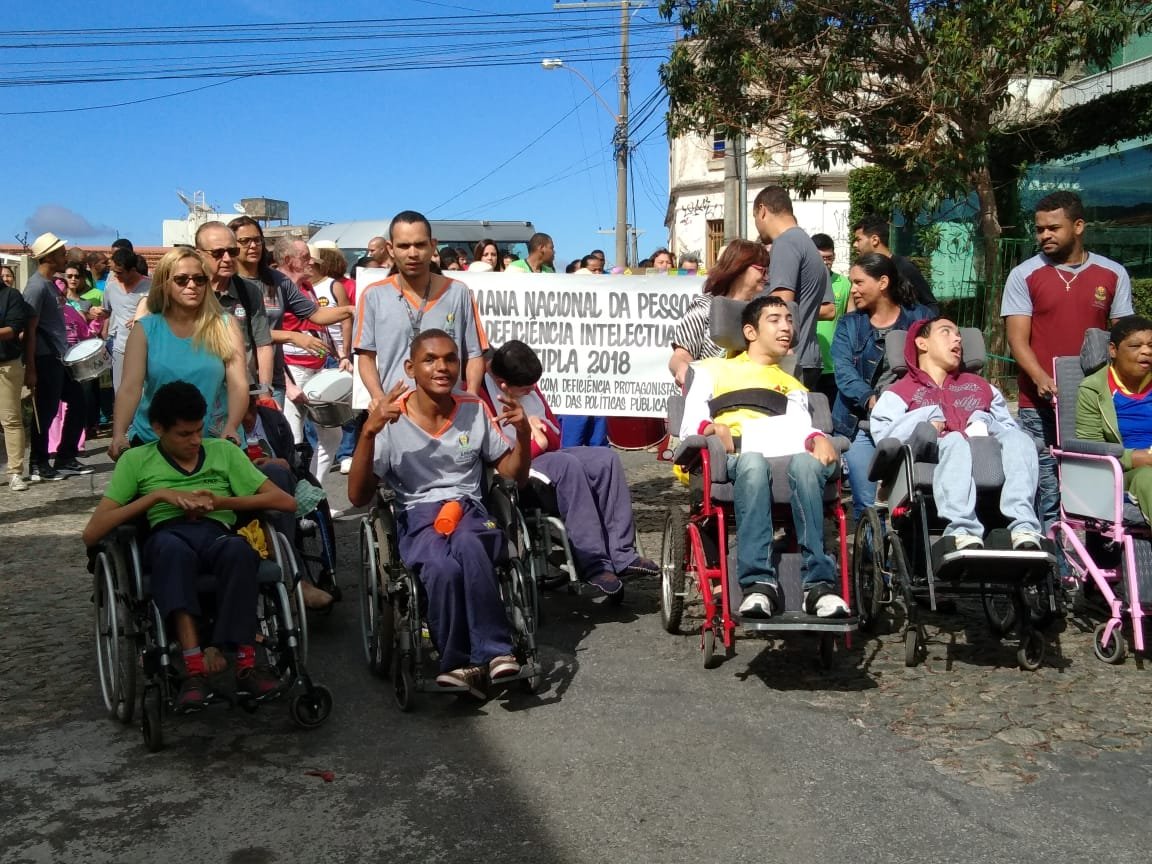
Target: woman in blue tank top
{"points": [[185, 337]]}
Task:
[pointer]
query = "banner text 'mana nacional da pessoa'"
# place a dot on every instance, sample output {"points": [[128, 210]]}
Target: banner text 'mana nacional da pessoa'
{"points": [[604, 341]]}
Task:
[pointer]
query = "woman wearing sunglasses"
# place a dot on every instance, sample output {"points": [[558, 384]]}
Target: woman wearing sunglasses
{"points": [[186, 336]]}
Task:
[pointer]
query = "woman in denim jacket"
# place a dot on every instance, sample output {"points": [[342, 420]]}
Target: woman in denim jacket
{"points": [[884, 302]]}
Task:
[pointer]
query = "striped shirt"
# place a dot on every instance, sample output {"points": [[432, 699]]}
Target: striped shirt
{"points": [[692, 331]]}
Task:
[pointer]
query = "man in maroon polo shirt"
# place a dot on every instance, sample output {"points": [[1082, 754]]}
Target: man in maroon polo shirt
{"points": [[1050, 301]]}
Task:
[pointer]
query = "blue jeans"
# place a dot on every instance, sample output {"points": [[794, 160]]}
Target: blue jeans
{"points": [[580, 431], [807, 476], [1040, 423], [859, 460], [954, 488]]}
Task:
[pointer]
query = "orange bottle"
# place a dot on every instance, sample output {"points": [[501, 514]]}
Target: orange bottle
{"points": [[448, 517]]}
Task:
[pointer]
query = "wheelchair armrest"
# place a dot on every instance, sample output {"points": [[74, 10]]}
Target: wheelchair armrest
{"points": [[888, 455], [925, 443], [1092, 448], [121, 535], [840, 443], [687, 454]]}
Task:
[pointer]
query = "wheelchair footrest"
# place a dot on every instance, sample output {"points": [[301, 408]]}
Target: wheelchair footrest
{"points": [[790, 622]]}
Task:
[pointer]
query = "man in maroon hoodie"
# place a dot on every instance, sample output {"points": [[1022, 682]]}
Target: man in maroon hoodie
{"points": [[960, 406]]}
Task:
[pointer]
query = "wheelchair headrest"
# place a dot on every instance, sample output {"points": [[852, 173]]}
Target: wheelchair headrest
{"points": [[724, 324], [1094, 351], [972, 342]]}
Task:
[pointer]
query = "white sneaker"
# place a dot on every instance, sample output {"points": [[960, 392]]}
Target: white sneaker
{"points": [[759, 603], [968, 541], [346, 465], [17, 483], [1027, 541], [821, 601]]}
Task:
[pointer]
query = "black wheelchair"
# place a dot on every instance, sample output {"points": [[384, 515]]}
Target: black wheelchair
{"points": [[898, 558], [135, 651], [395, 637]]}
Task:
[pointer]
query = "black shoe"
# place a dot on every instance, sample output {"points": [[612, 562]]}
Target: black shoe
{"points": [[258, 683], [44, 473], [72, 467], [193, 695]]}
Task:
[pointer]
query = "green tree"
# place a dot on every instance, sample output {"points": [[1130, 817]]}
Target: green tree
{"points": [[917, 87]]}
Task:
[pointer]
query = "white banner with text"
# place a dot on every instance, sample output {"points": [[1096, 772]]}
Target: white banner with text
{"points": [[604, 341]]}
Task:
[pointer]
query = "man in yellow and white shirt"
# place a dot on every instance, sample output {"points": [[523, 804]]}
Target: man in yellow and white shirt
{"points": [[759, 411]]}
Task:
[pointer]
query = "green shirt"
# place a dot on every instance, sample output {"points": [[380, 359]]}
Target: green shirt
{"points": [[224, 469], [825, 330], [522, 267]]}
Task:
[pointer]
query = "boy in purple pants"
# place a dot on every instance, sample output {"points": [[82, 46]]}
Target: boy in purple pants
{"points": [[590, 484], [430, 446]]}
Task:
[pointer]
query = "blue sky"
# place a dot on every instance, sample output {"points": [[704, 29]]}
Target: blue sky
{"points": [[343, 145]]}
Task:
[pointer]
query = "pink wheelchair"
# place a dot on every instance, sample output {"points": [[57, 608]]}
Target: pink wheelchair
{"points": [[1106, 539]]}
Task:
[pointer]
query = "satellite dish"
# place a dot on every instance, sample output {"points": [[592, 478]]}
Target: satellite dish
{"points": [[184, 198], [239, 208]]}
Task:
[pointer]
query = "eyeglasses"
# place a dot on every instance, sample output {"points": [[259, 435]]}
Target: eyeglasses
{"points": [[71, 275], [250, 241], [231, 251], [759, 268], [197, 279]]}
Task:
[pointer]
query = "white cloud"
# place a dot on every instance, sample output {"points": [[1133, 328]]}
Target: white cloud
{"points": [[64, 223]]}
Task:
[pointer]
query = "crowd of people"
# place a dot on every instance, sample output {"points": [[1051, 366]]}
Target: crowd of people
{"points": [[239, 328]]}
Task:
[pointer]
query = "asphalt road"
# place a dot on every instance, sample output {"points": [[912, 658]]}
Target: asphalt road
{"points": [[633, 752]]}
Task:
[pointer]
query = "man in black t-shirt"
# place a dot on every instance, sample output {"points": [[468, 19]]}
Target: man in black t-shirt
{"points": [[872, 234]]}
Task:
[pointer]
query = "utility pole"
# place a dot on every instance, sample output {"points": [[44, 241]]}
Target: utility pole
{"points": [[620, 136]]}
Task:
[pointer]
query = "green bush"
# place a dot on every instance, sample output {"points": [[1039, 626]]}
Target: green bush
{"points": [[1142, 296]]}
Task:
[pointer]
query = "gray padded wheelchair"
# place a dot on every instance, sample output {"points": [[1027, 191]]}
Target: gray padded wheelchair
{"points": [[896, 556], [394, 634], [135, 651]]}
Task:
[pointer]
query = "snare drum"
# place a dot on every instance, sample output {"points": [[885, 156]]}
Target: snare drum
{"points": [[87, 360], [637, 433], [329, 395]]}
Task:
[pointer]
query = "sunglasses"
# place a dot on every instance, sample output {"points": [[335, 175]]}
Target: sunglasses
{"points": [[231, 251], [249, 241], [198, 279]]}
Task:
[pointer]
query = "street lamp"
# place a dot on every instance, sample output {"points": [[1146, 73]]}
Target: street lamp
{"points": [[619, 144]]}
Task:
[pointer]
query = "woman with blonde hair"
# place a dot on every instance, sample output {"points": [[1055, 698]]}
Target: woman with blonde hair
{"points": [[186, 336]]}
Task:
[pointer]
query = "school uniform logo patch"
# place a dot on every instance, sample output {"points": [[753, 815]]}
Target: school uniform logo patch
{"points": [[463, 441], [1100, 297], [450, 318]]}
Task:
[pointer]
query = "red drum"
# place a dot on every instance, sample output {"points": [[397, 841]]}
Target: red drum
{"points": [[637, 433]]}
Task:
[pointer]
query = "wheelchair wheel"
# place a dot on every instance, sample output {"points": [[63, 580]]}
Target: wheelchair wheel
{"points": [[672, 579], [1030, 654], [711, 658], [1001, 614], [1115, 651], [404, 682], [115, 639], [310, 710], [369, 586], [152, 718], [913, 646], [868, 568]]}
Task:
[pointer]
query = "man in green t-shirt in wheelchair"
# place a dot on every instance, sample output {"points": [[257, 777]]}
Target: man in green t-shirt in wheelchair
{"points": [[190, 488]]}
